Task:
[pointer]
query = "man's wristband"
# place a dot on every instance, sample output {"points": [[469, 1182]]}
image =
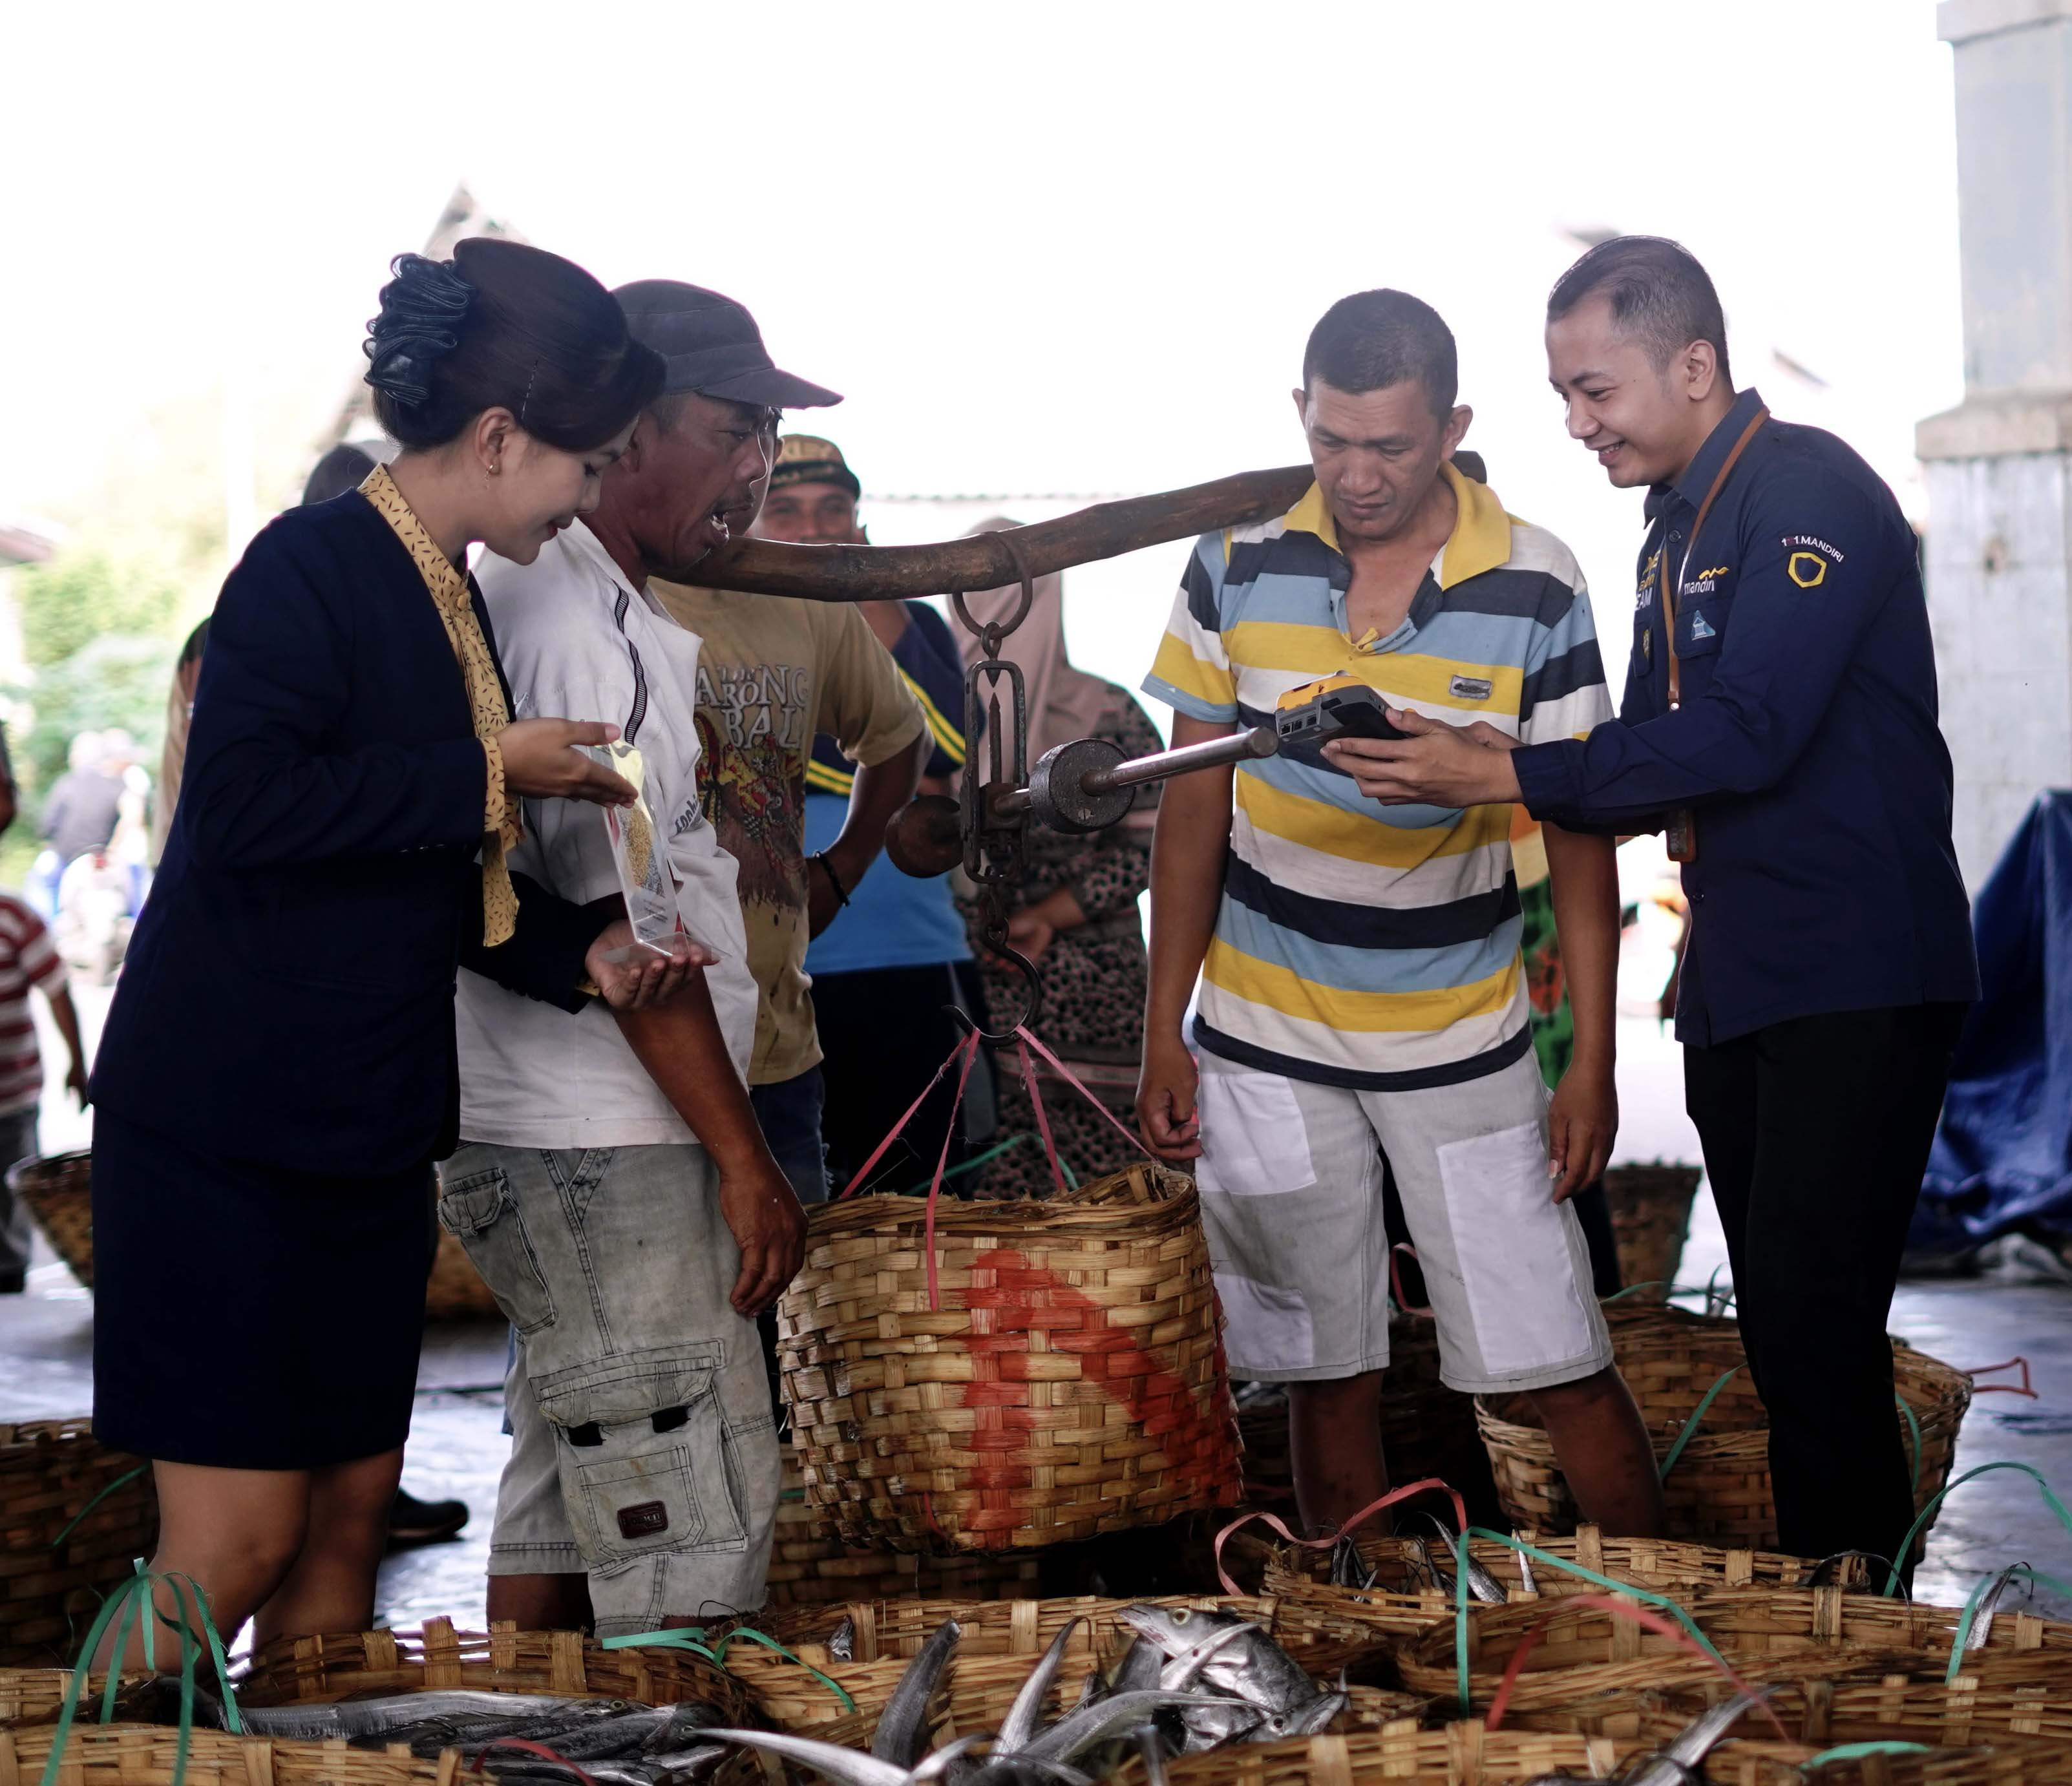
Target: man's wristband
{"points": [[834, 879]]}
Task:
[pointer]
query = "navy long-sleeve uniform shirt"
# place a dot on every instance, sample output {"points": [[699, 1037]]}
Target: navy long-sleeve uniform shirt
{"points": [[288, 998], [1807, 741]]}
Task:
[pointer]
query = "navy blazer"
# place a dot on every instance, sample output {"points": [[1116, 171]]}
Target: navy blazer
{"points": [[288, 995]]}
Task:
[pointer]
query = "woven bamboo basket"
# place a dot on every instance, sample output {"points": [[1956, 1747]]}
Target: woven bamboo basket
{"points": [[362, 1665], [1070, 1381], [31, 1695], [1718, 1491], [57, 1190], [143, 1754], [58, 1545], [1650, 1211], [1460, 1754], [1767, 1635], [1399, 1602], [810, 1565], [1002, 1641], [1907, 1708]]}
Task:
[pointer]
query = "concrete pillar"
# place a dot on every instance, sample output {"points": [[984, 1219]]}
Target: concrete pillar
{"points": [[1998, 466]]}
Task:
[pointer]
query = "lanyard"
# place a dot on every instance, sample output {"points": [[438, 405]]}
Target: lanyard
{"points": [[1683, 564]]}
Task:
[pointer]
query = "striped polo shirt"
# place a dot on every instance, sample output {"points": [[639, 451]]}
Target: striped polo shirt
{"points": [[28, 958], [1361, 945]]}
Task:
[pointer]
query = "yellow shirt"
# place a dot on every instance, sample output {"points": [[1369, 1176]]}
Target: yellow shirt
{"points": [[774, 672]]}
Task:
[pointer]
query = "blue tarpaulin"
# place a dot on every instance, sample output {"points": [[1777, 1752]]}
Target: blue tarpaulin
{"points": [[2002, 1155]]}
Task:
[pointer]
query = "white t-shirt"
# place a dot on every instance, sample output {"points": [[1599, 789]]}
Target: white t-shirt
{"points": [[579, 642]]}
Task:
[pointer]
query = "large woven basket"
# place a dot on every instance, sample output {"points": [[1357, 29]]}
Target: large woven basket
{"points": [[1066, 1378], [1427, 1429], [1583, 1650], [1002, 1641], [1402, 1605], [1718, 1491], [1907, 1708], [810, 1565], [144, 1755], [1650, 1211], [362, 1665], [73, 1516], [57, 1190], [29, 1695]]}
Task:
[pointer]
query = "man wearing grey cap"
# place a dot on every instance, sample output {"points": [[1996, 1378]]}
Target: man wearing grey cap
{"points": [[625, 1204], [775, 672]]}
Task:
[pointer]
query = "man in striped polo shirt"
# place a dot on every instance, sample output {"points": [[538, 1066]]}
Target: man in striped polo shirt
{"points": [[1362, 995]]}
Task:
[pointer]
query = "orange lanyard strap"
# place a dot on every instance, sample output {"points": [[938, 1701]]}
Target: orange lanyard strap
{"points": [[1683, 564]]}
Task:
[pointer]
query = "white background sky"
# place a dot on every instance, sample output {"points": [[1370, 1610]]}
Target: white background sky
{"points": [[1061, 247]]}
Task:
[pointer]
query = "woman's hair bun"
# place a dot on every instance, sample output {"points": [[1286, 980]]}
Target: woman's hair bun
{"points": [[422, 309], [503, 325]]}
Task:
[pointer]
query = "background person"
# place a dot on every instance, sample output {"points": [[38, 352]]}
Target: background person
{"points": [[1074, 915], [351, 788], [1362, 990], [1780, 711], [28, 957], [891, 963]]}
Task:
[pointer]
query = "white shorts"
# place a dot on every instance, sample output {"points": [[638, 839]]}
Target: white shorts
{"points": [[1290, 1178]]}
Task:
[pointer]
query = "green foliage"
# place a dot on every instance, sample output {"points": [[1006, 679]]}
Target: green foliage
{"points": [[120, 679], [84, 597]]}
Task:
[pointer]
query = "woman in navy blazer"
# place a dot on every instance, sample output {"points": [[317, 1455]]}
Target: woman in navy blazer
{"points": [[277, 1072]]}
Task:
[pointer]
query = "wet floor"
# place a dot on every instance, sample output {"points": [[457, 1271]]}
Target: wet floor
{"points": [[456, 1449]]}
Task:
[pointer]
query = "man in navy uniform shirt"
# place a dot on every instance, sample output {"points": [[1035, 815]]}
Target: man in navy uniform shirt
{"points": [[1779, 723]]}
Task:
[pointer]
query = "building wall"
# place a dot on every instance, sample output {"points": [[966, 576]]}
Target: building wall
{"points": [[1997, 602]]}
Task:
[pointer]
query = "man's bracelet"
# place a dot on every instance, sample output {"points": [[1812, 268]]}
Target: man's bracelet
{"points": [[834, 879]]}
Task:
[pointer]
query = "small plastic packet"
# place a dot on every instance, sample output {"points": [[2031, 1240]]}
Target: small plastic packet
{"points": [[645, 877]]}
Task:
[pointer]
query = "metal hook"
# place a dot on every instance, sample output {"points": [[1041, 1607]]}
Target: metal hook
{"points": [[993, 631], [1026, 968]]}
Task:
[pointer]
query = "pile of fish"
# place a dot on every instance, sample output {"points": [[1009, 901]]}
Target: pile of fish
{"points": [[1191, 1681], [616, 1741], [1350, 1569]]}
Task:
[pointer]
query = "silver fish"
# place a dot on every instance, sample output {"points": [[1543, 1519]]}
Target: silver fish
{"points": [[1140, 1668], [902, 1727], [1482, 1584], [1349, 1568], [845, 1767], [462, 1715], [1982, 1623], [841, 1646], [1180, 1672], [1312, 1720], [1072, 1736], [1525, 1574], [1251, 1667], [1020, 1724], [1679, 1764], [1152, 1747]]}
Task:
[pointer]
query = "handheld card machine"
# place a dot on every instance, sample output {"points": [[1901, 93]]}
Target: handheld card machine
{"points": [[1308, 718]]}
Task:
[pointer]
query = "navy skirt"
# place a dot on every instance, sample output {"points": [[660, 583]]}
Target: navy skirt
{"points": [[250, 1318]]}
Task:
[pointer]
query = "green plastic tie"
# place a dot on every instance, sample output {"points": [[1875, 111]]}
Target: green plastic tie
{"points": [[1855, 1751], [2051, 1500], [1645, 1595], [2036, 1579], [693, 1640], [131, 1599], [987, 1158], [1690, 1425], [1635, 1289], [1913, 1437], [121, 1481]]}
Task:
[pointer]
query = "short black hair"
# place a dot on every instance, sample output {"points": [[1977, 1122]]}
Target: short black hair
{"points": [[1658, 293], [344, 467], [504, 325], [1375, 339]]}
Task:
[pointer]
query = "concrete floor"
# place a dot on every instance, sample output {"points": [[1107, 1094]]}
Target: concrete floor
{"points": [[46, 1340]]}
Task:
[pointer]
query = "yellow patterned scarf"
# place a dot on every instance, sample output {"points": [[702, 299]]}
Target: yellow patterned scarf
{"points": [[448, 584]]}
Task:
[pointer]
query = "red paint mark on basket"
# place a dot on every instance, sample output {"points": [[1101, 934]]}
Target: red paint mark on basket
{"points": [[1012, 1298]]}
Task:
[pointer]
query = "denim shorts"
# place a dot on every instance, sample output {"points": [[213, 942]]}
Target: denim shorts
{"points": [[643, 1452]]}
